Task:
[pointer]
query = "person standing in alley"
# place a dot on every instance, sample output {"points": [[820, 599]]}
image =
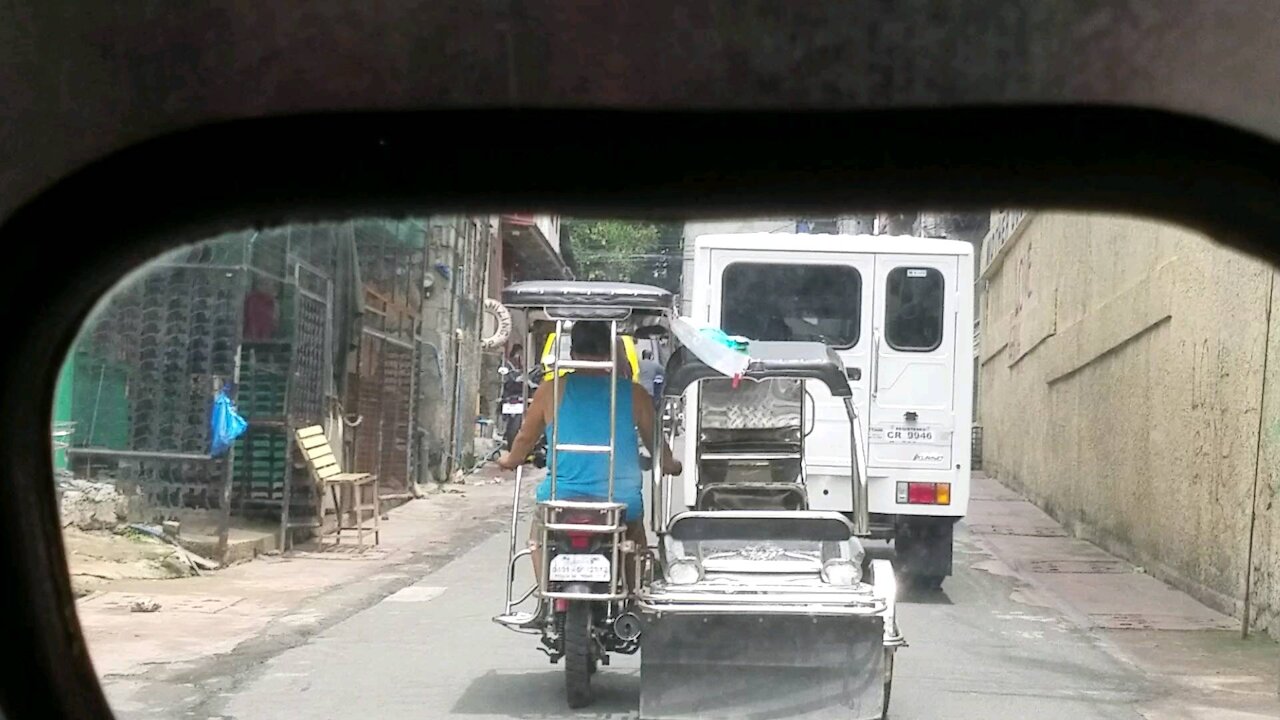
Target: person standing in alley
{"points": [[650, 374]]}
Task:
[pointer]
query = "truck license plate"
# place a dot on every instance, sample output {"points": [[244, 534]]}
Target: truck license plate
{"points": [[580, 568], [904, 434], [512, 409]]}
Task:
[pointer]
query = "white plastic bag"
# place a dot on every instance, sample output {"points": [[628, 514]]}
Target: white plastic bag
{"points": [[727, 360]]}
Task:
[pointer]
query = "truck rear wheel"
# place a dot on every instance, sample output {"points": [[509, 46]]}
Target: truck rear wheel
{"points": [[923, 550]]}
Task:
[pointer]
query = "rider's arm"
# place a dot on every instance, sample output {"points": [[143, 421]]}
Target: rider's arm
{"points": [[642, 413], [531, 428]]}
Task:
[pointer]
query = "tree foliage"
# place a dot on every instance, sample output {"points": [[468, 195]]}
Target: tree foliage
{"points": [[623, 251]]}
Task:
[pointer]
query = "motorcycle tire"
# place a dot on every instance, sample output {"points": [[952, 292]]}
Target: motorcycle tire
{"points": [[511, 430], [579, 655]]}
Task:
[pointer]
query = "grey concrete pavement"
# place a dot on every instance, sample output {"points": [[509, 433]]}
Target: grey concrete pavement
{"points": [[431, 651], [1004, 639]]}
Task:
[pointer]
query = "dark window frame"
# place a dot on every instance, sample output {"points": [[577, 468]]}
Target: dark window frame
{"points": [[857, 274], [942, 310]]}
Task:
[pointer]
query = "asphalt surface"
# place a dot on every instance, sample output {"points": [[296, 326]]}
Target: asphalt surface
{"points": [[429, 650]]}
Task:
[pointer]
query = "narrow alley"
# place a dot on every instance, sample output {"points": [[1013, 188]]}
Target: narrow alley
{"points": [[1033, 624], [348, 550]]}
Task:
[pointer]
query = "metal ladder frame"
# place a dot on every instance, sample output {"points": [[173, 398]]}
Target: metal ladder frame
{"points": [[549, 510]]}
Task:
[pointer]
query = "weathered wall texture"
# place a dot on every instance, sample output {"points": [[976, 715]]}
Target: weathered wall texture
{"points": [[1122, 366], [1264, 593], [450, 370]]}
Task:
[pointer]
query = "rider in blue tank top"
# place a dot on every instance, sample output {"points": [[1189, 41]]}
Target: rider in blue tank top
{"points": [[585, 476], [584, 409]]}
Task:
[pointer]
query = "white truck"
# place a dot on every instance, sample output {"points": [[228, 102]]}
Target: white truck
{"points": [[899, 312]]}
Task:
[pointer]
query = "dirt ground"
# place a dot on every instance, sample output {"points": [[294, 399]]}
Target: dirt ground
{"points": [[98, 557]]}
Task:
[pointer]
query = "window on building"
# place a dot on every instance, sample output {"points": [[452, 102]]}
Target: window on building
{"points": [[913, 309], [821, 303]]}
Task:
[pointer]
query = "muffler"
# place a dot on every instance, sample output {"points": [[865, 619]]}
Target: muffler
{"points": [[627, 627]]}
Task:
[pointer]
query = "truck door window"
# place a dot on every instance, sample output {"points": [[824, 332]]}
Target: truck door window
{"points": [[913, 309], [821, 303]]}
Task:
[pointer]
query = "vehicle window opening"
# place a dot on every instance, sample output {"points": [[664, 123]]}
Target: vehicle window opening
{"points": [[816, 303], [913, 309]]}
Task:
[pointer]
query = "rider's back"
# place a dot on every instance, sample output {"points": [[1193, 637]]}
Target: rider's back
{"points": [[584, 409]]}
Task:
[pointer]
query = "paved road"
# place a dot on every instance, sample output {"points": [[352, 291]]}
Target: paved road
{"points": [[430, 651]]}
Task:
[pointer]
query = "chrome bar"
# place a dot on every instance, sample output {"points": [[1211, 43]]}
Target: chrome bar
{"points": [[555, 405], [527, 594], [597, 449], [666, 495], [613, 400], [515, 499], [861, 515], [727, 609], [573, 364], [549, 595], [543, 542], [522, 553], [709, 591], [581, 505], [770, 514], [886, 585], [591, 529], [655, 470], [510, 624], [511, 550], [751, 456]]}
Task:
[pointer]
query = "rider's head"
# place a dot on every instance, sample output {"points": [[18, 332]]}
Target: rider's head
{"points": [[589, 340]]}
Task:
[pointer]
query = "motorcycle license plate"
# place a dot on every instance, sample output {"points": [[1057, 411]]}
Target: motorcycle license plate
{"points": [[512, 409], [580, 568]]}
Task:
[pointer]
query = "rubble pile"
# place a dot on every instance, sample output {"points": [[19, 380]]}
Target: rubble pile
{"points": [[88, 505]]}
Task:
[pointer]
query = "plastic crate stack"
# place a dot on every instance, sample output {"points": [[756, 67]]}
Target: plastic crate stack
{"points": [[262, 452]]}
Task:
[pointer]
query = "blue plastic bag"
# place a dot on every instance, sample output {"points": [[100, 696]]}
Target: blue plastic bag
{"points": [[225, 424]]}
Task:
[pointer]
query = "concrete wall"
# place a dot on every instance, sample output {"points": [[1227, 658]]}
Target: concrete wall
{"points": [[1122, 380], [451, 366]]}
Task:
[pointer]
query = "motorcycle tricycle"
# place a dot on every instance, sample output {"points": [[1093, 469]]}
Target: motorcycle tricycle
{"points": [[750, 604], [582, 596]]}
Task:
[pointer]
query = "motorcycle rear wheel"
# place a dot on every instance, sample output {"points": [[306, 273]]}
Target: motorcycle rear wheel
{"points": [[579, 655]]}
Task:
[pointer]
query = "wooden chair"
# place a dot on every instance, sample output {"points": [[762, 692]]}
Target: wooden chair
{"points": [[327, 474]]}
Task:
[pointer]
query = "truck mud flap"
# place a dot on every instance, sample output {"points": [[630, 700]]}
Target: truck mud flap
{"points": [[757, 667]]}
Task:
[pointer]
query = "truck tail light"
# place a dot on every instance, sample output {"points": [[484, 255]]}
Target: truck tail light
{"points": [[921, 493]]}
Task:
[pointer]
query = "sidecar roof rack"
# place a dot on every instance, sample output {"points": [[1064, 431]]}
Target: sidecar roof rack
{"points": [[769, 359], [587, 300]]}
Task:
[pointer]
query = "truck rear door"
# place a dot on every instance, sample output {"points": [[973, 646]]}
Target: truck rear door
{"points": [[911, 386]]}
